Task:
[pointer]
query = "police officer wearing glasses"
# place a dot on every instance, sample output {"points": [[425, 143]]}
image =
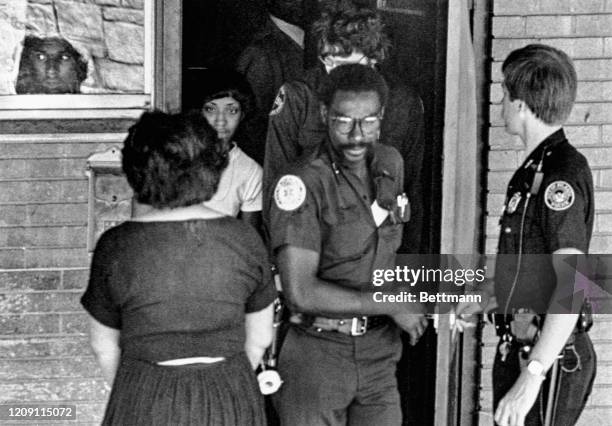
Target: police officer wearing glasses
{"points": [[336, 215], [348, 35]]}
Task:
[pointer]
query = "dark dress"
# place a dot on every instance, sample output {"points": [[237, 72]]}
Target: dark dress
{"points": [[178, 290]]}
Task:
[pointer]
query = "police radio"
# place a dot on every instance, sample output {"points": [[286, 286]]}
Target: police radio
{"points": [[536, 183]]}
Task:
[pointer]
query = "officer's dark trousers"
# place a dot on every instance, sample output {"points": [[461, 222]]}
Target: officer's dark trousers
{"points": [[575, 381], [335, 379]]}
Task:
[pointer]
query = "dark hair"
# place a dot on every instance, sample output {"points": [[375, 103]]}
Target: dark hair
{"points": [[544, 78], [349, 29], [291, 11], [25, 80], [172, 160], [353, 78], [205, 85]]}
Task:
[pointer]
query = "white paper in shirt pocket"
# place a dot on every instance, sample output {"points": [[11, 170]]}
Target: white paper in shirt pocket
{"points": [[379, 213]]}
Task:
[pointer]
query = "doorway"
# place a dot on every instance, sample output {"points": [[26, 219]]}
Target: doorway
{"points": [[216, 31]]}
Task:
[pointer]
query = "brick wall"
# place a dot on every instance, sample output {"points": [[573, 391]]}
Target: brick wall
{"points": [[44, 351], [583, 29]]}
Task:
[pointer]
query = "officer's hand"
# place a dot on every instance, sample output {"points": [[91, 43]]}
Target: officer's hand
{"points": [[515, 405], [413, 324], [466, 309]]}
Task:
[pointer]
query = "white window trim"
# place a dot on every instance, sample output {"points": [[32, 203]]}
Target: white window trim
{"points": [[90, 106]]}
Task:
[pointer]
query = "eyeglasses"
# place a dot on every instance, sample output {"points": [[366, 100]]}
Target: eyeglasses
{"points": [[346, 125], [333, 61]]}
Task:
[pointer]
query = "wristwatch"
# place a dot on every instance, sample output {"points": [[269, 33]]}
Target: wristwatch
{"points": [[535, 368]]}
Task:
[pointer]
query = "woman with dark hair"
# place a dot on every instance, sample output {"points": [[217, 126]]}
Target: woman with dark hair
{"points": [[180, 297], [225, 99]]}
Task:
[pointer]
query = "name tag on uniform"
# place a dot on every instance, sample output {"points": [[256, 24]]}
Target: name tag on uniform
{"points": [[379, 213]]}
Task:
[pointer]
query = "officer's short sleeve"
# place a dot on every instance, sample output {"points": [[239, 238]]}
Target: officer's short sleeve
{"points": [[566, 202], [282, 145], [293, 215]]}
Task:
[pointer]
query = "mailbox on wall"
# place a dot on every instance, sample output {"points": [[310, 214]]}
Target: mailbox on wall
{"points": [[110, 196]]}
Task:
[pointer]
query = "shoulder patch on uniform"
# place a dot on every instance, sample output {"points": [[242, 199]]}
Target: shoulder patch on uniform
{"points": [[559, 195], [289, 193], [279, 101]]}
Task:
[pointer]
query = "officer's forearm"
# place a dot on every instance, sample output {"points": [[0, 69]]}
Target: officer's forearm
{"points": [[555, 332], [331, 300], [306, 293], [557, 326]]}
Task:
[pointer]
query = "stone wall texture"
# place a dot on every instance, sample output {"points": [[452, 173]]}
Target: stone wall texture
{"points": [[583, 29], [109, 33], [12, 32]]}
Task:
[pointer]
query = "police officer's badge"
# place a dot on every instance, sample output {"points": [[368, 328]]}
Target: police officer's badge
{"points": [[559, 195], [513, 203], [290, 193], [278, 102]]}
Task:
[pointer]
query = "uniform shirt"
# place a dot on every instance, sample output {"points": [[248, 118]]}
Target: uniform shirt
{"points": [[559, 215], [295, 126], [271, 59], [331, 214], [239, 187]]}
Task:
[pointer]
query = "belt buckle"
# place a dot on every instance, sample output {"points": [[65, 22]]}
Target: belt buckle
{"points": [[359, 326]]}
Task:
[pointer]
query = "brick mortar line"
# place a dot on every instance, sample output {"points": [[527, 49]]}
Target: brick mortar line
{"points": [[498, 148], [64, 157], [538, 38], [38, 336], [46, 179], [595, 80], [588, 407], [51, 291], [50, 225], [43, 247], [80, 310], [49, 269], [51, 358], [41, 203], [556, 14], [503, 192], [83, 311], [62, 138], [574, 58], [13, 336], [42, 225], [54, 402], [598, 102], [45, 378]]}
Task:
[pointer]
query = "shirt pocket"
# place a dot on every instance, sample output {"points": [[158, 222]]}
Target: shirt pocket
{"points": [[347, 235]]}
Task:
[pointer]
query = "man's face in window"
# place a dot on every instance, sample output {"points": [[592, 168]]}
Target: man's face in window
{"points": [[50, 66]]}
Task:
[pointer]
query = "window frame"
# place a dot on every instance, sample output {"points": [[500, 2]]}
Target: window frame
{"points": [[159, 18]]}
